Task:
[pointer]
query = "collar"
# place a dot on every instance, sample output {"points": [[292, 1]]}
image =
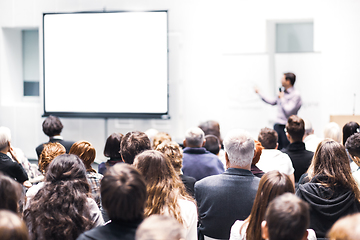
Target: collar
{"points": [[289, 90], [238, 171], [57, 137], [199, 150], [296, 146]]}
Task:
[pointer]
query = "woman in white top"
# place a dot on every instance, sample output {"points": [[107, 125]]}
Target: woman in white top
{"points": [[166, 192], [272, 184]]}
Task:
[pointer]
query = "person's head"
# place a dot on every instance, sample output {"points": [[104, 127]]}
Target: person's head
{"points": [[194, 137], [132, 144], [5, 138], [272, 184], [160, 138], [349, 129], [112, 146], [52, 126], [295, 129], [163, 185], [288, 80], [160, 227], [10, 193], [123, 193], [346, 228], [353, 146], [50, 151], [86, 152], [268, 138], [173, 152], [211, 128], [212, 144], [333, 131], [12, 227], [239, 148], [308, 128], [331, 161], [287, 218], [257, 152]]}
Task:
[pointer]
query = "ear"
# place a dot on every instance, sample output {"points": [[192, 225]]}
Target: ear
{"points": [[184, 143], [277, 145], [288, 137], [227, 160], [265, 230], [204, 142], [305, 235]]}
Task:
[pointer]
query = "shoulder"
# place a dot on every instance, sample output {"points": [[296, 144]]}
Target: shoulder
{"points": [[93, 234], [235, 230]]}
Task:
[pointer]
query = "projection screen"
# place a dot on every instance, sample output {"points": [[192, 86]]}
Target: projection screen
{"points": [[106, 64]]}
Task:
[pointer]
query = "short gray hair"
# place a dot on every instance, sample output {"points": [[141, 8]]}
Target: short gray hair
{"points": [[239, 146], [194, 137], [5, 137], [308, 127]]}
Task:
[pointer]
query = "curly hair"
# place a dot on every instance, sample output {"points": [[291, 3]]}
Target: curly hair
{"points": [[86, 153], [60, 210], [50, 151], [172, 151], [160, 138], [163, 185]]}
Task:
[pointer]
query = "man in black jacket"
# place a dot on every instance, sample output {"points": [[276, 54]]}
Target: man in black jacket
{"points": [[300, 157]]}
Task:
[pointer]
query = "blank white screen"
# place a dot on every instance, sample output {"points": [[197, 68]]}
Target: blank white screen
{"points": [[105, 62]]}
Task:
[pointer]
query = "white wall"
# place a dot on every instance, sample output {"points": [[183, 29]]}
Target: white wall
{"points": [[218, 51]]}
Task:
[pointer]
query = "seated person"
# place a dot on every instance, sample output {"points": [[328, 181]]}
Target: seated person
{"points": [[160, 227], [286, 218], [112, 151], [52, 127], [352, 146], [11, 193], [132, 144], [160, 138], [123, 193], [346, 228], [12, 227]]}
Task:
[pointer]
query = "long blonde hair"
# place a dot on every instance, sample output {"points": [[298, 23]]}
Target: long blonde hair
{"points": [[163, 185]]}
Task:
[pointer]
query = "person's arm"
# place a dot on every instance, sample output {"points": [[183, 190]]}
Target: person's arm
{"points": [[265, 99], [18, 171], [290, 106]]}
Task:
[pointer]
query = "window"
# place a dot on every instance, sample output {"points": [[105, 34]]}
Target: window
{"points": [[294, 37], [30, 49]]}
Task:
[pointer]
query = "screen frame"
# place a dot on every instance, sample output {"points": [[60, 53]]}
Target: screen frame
{"points": [[106, 115]]}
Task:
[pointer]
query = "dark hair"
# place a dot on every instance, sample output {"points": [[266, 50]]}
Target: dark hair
{"points": [[212, 144], [12, 227], [295, 127], [349, 129], [272, 184], [353, 145], [132, 144], [291, 77], [10, 193], [112, 146], [123, 193], [52, 126], [331, 161], [60, 209], [211, 128], [287, 217], [160, 227], [268, 138]]}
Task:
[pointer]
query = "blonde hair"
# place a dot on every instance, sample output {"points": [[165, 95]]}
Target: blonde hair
{"points": [[346, 228], [333, 131], [86, 153], [50, 151], [160, 138], [173, 152]]}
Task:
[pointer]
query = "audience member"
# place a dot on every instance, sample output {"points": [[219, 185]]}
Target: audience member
{"points": [[160, 138], [333, 131], [211, 127], [197, 161], [151, 134], [12, 227], [352, 146], [112, 151], [11, 193], [123, 193], [174, 153], [132, 144], [346, 228], [272, 184], [166, 192], [271, 158], [349, 129], [300, 157], [9, 167], [87, 153], [61, 208], [220, 198], [212, 144], [160, 227], [257, 153], [331, 190], [52, 127], [286, 218], [50, 151], [310, 139]]}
